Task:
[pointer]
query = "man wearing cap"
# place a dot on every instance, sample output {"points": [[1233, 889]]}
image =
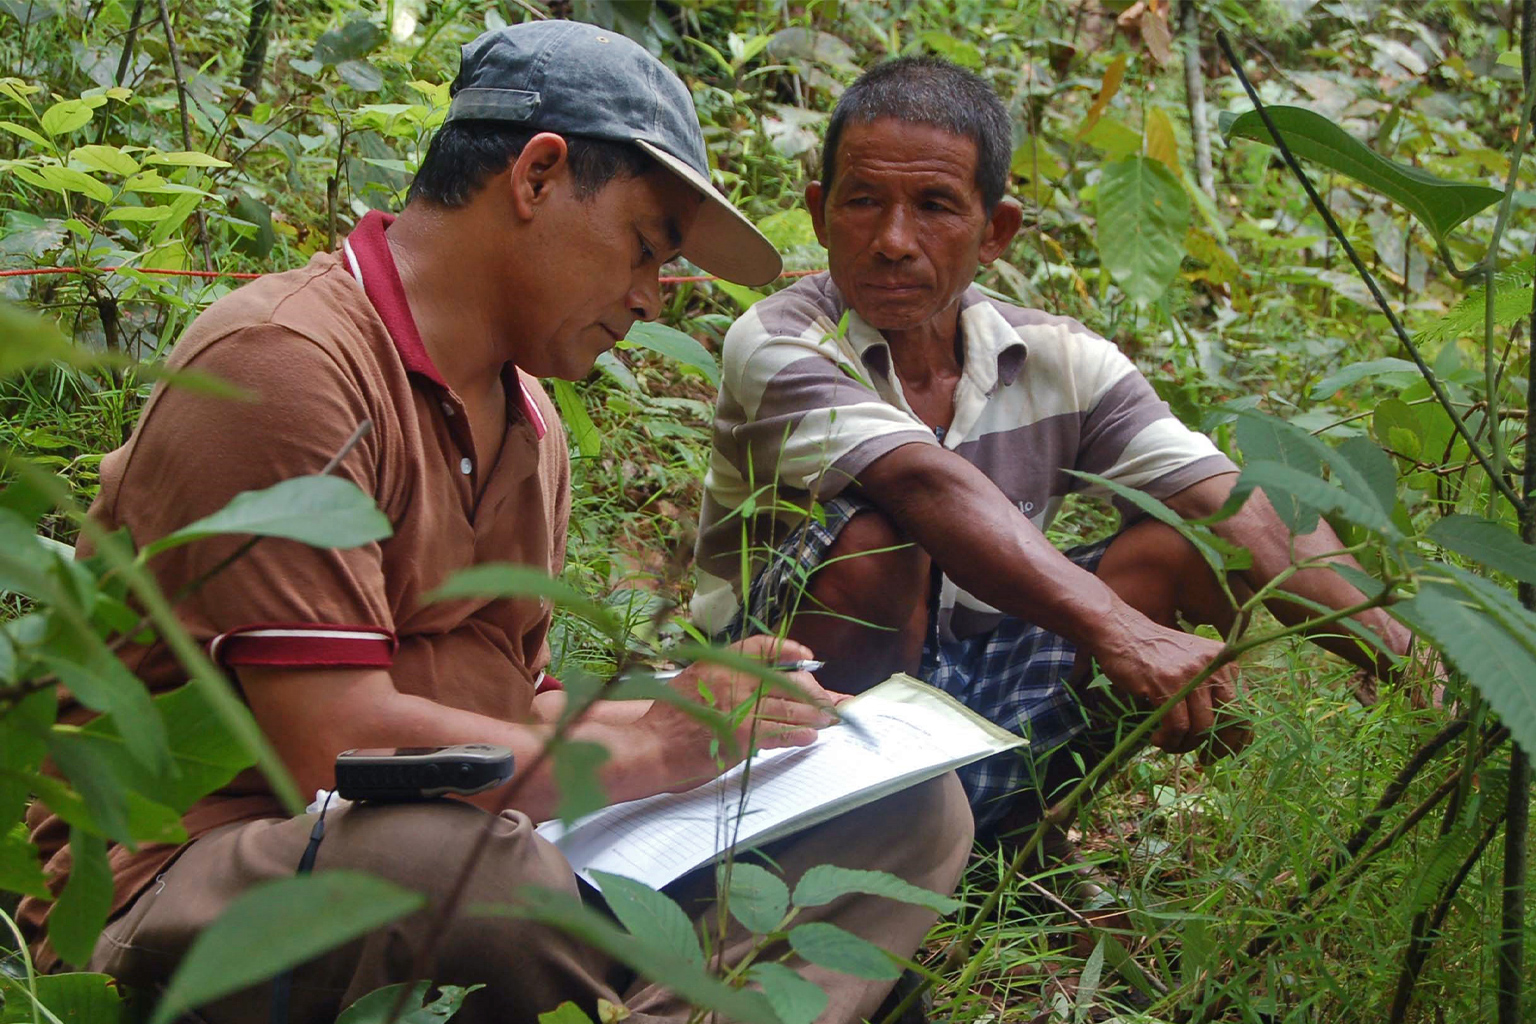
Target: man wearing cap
{"points": [[571, 167], [937, 429]]}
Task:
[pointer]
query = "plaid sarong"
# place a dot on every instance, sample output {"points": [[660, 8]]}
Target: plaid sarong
{"points": [[1015, 675]]}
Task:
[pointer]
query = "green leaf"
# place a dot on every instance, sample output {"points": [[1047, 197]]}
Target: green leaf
{"points": [[1221, 555], [73, 998], [505, 579], [788, 229], [65, 116], [1439, 205], [1487, 543], [1377, 473], [180, 209], [565, 1013], [1495, 660], [256, 938], [27, 341], [1267, 438], [27, 133], [577, 779], [573, 413], [690, 982], [673, 344], [1143, 214], [1314, 494], [950, 48], [826, 882], [109, 159], [793, 998], [323, 511], [827, 945], [186, 158], [376, 1006], [743, 296], [1355, 372], [1395, 426], [100, 681], [360, 75], [80, 914], [20, 869], [757, 897], [352, 40], [1512, 294], [651, 916], [137, 214], [68, 179]]}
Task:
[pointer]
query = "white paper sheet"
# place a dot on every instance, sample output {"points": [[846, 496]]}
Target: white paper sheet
{"points": [[895, 735]]}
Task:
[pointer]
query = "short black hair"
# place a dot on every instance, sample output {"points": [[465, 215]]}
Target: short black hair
{"points": [[464, 154], [935, 92]]}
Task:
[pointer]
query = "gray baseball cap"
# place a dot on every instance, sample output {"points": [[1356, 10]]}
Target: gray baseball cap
{"points": [[572, 78]]}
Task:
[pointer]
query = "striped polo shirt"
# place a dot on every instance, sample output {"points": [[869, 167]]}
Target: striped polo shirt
{"points": [[809, 397]]}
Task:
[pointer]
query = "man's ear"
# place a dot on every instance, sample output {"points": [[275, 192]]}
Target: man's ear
{"points": [[1006, 219], [814, 198], [542, 162]]}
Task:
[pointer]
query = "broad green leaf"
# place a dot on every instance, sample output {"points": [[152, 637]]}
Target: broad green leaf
{"points": [[68, 179], [576, 777], [826, 882], [105, 158], [690, 981], [614, 367], [80, 913], [743, 296], [27, 340], [360, 75], [20, 869], [1439, 205], [1314, 494], [186, 158], [1162, 144], [827, 945], [757, 897], [26, 560], [180, 209], [673, 344], [352, 40], [565, 1013], [324, 511], [573, 413], [376, 1006], [1487, 543], [1377, 472], [788, 229], [1143, 214], [65, 116], [256, 938], [1267, 438], [1498, 663], [946, 45], [506, 580], [651, 916], [793, 998], [73, 997], [1395, 426], [1355, 372], [27, 133], [137, 214], [101, 682]]}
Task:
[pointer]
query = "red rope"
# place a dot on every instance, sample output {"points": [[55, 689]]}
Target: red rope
{"points": [[39, 271]]}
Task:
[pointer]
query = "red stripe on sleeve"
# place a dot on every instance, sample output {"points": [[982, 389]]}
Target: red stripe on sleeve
{"points": [[305, 646]]}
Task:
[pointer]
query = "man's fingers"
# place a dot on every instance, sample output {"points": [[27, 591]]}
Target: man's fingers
{"points": [[1170, 732], [774, 650], [1201, 717]]}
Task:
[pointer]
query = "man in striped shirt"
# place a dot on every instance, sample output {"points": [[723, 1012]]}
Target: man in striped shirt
{"points": [[891, 442]]}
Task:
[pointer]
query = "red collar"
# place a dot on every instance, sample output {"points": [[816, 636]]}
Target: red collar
{"points": [[369, 260]]}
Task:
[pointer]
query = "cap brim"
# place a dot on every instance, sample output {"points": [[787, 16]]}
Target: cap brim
{"points": [[722, 241]]}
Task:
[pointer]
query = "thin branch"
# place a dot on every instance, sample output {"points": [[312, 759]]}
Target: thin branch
{"points": [[1370, 281], [186, 127]]}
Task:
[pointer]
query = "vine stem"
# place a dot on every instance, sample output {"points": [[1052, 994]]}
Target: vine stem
{"points": [[1321, 207]]}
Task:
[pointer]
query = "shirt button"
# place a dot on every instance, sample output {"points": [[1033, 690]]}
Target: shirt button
{"points": [[447, 408], [466, 467]]}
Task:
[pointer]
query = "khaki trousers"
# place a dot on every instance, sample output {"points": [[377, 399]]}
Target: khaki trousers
{"points": [[922, 835]]}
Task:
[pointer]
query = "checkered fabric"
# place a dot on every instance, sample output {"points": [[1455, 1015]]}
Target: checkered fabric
{"points": [[1014, 675]]}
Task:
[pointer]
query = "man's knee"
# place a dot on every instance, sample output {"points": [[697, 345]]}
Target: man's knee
{"points": [[872, 573]]}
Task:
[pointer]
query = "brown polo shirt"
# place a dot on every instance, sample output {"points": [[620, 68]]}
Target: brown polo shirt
{"points": [[323, 348]]}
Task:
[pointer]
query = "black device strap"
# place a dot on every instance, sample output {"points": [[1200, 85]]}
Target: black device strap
{"points": [[282, 985]]}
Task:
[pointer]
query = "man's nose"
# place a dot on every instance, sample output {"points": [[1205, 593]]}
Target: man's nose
{"points": [[896, 238], [645, 295]]}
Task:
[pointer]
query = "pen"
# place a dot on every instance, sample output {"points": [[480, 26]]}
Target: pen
{"points": [[803, 665]]}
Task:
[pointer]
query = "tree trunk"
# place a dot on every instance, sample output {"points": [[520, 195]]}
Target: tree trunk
{"points": [[255, 59], [1194, 95]]}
